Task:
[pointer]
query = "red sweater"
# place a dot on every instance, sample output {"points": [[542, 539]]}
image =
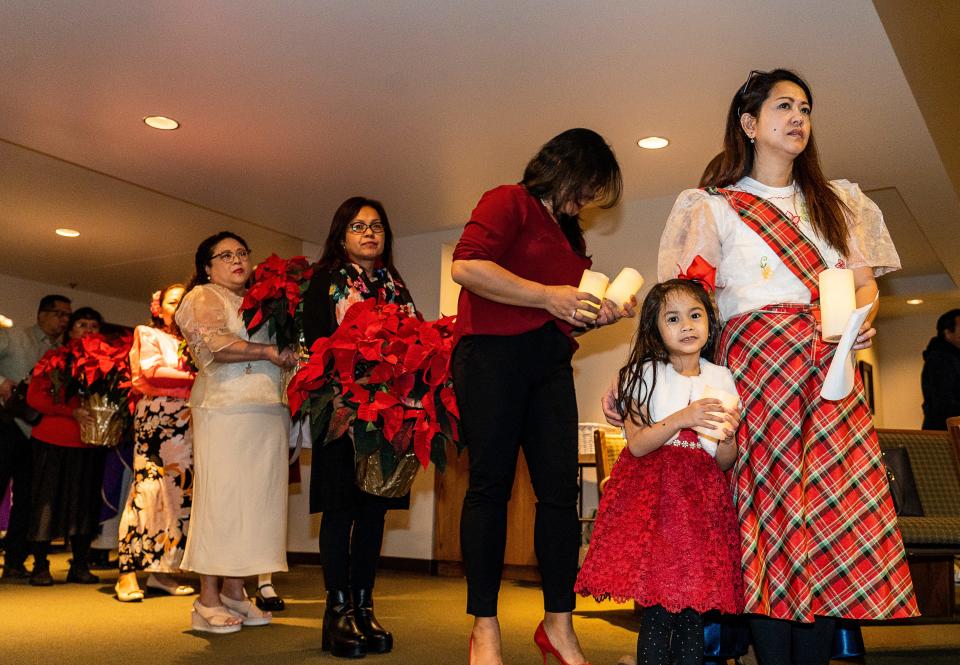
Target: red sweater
{"points": [[511, 227], [58, 426]]}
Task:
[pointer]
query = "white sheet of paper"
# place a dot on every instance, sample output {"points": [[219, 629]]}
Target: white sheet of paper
{"points": [[839, 381]]}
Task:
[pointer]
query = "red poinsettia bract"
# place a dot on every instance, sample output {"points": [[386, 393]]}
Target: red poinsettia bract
{"points": [[384, 374], [275, 296]]}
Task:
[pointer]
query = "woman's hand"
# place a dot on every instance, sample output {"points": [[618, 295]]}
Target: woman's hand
{"points": [[285, 359], [82, 416], [563, 301], [610, 403], [706, 412], [865, 337]]}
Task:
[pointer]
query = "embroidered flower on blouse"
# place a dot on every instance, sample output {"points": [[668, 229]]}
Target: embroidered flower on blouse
{"points": [[841, 263], [765, 269]]}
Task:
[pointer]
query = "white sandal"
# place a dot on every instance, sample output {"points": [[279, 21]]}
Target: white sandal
{"points": [[250, 613], [172, 590], [213, 619]]}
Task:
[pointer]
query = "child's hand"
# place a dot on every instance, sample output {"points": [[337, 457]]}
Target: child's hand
{"points": [[706, 412], [732, 417]]}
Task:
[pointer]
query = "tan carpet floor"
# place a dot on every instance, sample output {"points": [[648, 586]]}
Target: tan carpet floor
{"points": [[70, 623]]}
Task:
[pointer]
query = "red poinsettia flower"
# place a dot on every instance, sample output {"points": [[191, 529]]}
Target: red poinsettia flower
{"points": [[384, 374], [275, 297]]}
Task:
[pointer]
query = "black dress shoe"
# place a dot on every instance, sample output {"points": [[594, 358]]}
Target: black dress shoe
{"points": [[341, 636], [269, 603], [81, 575], [41, 575], [13, 572], [379, 640]]}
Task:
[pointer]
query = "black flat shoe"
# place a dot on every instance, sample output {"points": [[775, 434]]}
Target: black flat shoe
{"points": [[81, 576], [15, 573], [269, 603], [41, 575]]}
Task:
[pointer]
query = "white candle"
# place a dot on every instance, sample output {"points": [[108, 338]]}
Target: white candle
{"points": [[837, 302], [626, 285], [729, 401], [594, 283]]}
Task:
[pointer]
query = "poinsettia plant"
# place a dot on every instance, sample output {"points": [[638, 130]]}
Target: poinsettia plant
{"points": [[275, 298], [90, 365], [383, 376]]}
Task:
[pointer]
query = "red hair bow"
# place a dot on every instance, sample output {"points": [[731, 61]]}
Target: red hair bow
{"points": [[701, 271]]}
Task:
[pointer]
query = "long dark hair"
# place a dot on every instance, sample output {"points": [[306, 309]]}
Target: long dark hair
{"points": [[334, 254], [825, 207], [569, 163], [157, 321], [648, 346], [204, 255]]}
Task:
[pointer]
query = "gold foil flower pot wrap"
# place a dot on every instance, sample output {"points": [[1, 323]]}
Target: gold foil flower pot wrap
{"points": [[105, 426], [370, 477]]}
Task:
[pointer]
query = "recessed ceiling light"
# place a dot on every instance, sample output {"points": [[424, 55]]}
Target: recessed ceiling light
{"points": [[161, 122], [68, 233], [653, 142], [5, 322], [915, 301]]}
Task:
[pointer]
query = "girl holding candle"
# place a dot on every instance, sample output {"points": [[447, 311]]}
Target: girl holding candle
{"points": [[518, 260], [153, 527], [819, 539], [666, 533]]}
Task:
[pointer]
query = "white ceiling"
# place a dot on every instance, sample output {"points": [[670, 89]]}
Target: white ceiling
{"points": [[287, 108]]}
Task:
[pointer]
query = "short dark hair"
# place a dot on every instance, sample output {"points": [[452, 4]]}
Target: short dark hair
{"points": [[84, 314], [947, 321], [204, 255], [567, 164], [334, 254], [47, 302]]}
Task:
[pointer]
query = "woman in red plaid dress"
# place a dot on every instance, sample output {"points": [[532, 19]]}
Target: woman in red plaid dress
{"points": [[818, 533]]}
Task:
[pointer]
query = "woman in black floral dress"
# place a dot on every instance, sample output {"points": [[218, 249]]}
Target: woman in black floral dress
{"points": [[153, 528]]}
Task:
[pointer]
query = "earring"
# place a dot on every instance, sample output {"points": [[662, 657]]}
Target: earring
{"points": [[753, 140]]}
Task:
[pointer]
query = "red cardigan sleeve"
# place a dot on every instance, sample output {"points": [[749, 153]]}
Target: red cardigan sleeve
{"points": [[493, 227], [40, 397]]}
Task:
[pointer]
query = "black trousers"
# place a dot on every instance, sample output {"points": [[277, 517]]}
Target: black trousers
{"points": [[15, 467], [780, 642], [350, 542], [517, 391]]}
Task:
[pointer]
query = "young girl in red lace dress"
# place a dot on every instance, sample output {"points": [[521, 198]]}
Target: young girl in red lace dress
{"points": [[666, 533]]}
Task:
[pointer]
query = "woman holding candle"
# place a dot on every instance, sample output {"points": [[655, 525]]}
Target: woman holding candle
{"points": [[518, 260], [238, 523], [818, 533], [357, 264], [153, 527]]}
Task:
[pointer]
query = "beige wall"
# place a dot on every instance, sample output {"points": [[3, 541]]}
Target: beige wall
{"points": [[19, 298], [900, 343]]}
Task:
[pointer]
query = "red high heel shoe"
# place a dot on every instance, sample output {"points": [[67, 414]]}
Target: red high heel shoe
{"points": [[543, 643]]}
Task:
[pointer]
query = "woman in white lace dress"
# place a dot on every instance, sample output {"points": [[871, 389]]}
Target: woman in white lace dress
{"points": [[240, 430]]}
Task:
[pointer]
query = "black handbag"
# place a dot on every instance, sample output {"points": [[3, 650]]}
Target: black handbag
{"points": [[16, 406]]}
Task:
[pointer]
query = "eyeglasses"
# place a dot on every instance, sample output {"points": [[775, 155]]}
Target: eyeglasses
{"points": [[228, 256], [59, 313], [746, 84], [360, 228]]}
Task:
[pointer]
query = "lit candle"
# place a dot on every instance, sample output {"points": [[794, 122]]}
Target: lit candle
{"points": [[837, 302], [626, 285], [594, 283], [729, 401]]}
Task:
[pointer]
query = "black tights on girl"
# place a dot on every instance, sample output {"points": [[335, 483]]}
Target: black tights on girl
{"points": [[670, 638], [779, 642]]}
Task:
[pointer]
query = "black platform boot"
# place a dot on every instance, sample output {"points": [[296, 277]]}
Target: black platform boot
{"points": [[341, 636], [379, 640]]}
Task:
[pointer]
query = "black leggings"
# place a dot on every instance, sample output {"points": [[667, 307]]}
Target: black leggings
{"points": [[79, 551], [780, 642], [350, 542], [513, 391], [668, 638]]}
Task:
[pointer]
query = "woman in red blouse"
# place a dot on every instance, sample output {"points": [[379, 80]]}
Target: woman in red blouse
{"points": [[67, 474], [519, 260]]}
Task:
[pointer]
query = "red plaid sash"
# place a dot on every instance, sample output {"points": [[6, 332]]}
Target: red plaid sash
{"points": [[817, 527], [769, 222]]}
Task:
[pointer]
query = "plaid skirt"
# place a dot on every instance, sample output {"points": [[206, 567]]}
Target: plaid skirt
{"points": [[818, 530]]}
